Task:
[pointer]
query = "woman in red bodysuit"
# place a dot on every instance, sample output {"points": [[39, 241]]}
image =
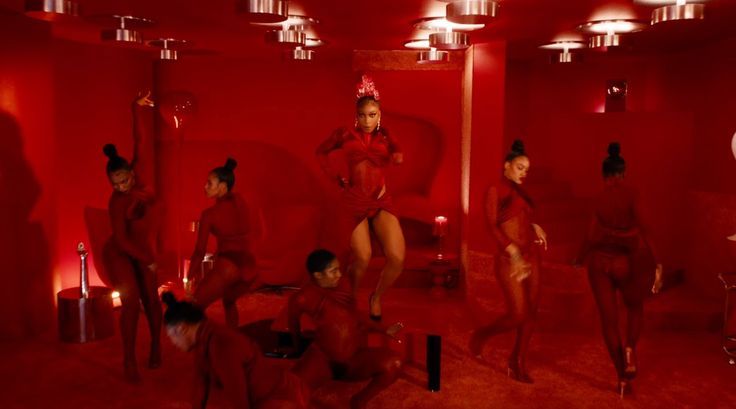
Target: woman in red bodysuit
{"points": [[129, 255], [369, 151], [619, 257], [509, 211], [230, 360], [234, 270], [339, 349]]}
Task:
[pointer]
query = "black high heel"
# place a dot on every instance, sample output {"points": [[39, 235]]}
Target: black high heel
{"points": [[376, 318], [517, 372]]}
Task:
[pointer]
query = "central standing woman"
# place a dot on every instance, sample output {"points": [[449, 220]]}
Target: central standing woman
{"points": [[509, 209], [369, 151]]}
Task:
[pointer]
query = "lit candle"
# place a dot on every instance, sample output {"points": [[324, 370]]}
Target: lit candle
{"points": [[440, 226]]}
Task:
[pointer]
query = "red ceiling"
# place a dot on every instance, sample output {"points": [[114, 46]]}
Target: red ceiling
{"points": [[385, 24]]}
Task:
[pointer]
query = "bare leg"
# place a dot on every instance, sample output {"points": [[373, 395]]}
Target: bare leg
{"points": [[360, 245], [381, 365], [388, 231], [215, 284]]}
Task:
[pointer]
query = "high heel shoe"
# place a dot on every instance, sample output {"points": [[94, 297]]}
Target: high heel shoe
{"points": [[517, 372], [373, 317], [630, 362]]}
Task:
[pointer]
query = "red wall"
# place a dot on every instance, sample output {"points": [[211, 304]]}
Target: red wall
{"points": [[59, 103], [675, 137]]}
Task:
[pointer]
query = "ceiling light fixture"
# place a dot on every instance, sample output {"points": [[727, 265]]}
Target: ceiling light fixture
{"points": [[264, 11], [447, 35], [565, 56], [292, 32], [124, 33], [471, 11], [301, 54], [51, 10], [673, 10], [432, 56], [607, 33], [168, 47]]}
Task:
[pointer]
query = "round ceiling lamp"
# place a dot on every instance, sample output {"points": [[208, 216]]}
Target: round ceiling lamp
{"points": [[442, 24], [301, 54], [418, 44], [286, 38], [264, 11], [449, 40], [607, 33], [565, 56], [51, 10], [433, 56], [294, 22], [168, 47], [681, 10], [471, 11], [125, 32]]}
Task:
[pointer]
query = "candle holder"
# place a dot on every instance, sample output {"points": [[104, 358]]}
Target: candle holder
{"points": [[440, 231]]}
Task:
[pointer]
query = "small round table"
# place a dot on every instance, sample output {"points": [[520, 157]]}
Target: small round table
{"points": [[85, 319]]}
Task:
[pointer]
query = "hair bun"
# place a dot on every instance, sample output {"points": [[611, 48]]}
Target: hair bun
{"points": [[230, 164], [110, 151], [614, 149], [169, 299], [518, 147]]}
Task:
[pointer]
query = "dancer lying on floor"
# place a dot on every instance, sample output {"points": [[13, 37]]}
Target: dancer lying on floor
{"points": [[231, 361], [339, 350]]}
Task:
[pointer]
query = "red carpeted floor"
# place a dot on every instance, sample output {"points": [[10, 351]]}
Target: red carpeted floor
{"points": [[681, 368]]}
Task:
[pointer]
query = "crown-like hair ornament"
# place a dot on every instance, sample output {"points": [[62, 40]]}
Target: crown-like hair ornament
{"points": [[367, 88]]}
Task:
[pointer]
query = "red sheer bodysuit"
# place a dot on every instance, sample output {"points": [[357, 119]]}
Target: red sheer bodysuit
{"points": [[227, 220], [232, 361], [367, 157], [340, 350]]}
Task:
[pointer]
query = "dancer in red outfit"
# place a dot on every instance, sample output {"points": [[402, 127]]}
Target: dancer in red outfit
{"points": [[509, 211], [129, 255], [619, 257], [234, 270], [339, 349], [369, 151], [230, 360]]}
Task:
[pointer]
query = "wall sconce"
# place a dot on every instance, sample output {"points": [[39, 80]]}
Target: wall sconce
{"points": [[616, 91]]}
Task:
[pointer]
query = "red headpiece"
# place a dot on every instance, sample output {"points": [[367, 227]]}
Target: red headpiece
{"points": [[366, 87]]}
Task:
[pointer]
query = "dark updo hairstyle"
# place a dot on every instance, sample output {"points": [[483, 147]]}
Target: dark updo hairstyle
{"points": [[225, 173], [517, 149], [614, 164], [318, 260], [365, 100], [180, 311], [115, 162]]}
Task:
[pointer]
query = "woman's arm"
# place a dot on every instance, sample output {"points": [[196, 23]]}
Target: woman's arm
{"points": [[333, 142], [397, 156], [492, 214], [141, 136]]}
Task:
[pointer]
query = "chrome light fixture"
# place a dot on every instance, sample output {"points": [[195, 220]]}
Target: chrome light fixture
{"points": [[673, 10], [607, 33], [565, 56], [471, 11], [125, 32], [292, 32], [168, 47], [427, 54], [446, 34], [51, 10], [264, 11], [305, 52]]}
